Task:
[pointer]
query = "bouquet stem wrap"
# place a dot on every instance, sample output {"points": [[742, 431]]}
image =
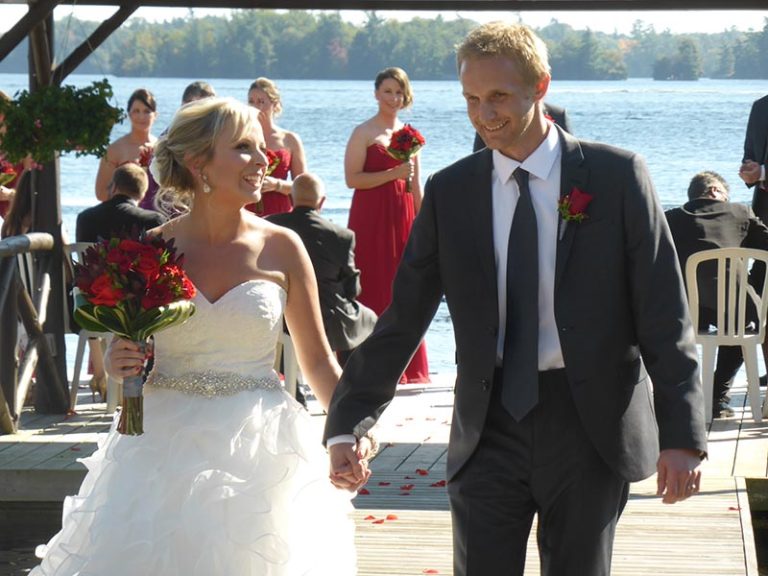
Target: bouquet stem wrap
{"points": [[132, 412]]}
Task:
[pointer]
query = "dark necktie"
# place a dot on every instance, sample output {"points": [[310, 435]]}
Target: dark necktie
{"points": [[520, 369]]}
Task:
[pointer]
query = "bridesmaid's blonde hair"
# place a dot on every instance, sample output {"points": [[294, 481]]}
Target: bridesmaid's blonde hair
{"points": [[192, 135], [270, 89]]}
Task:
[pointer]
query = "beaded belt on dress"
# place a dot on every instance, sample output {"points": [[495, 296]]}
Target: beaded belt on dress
{"points": [[211, 383]]}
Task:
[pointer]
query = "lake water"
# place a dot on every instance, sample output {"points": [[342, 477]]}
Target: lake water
{"points": [[679, 127]]}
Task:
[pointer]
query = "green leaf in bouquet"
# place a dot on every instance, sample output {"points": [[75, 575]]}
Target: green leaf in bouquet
{"points": [[151, 321], [99, 318]]}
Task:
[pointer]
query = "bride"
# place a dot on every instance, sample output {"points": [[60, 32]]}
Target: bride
{"points": [[229, 476]]}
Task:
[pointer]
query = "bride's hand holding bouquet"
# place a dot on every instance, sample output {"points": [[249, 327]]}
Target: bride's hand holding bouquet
{"points": [[132, 287]]}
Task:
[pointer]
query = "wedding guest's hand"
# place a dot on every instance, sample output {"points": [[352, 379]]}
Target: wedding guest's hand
{"points": [[750, 172], [348, 471], [123, 358], [678, 475]]}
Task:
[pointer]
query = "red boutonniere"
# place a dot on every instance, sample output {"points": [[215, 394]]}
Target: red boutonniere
{"points": [[573, 206], [548, 117]]}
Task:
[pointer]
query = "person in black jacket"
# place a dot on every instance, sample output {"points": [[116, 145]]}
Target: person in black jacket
{"points": [[120, 213], [707, 221], [331, 249]]}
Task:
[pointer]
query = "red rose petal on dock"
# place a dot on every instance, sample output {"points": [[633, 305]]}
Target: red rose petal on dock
{"points": [[392, 517], [438, 484], [384, 483], [405, 493], [407, 487], [379, 521], [369, 517], [422, 472], [430, 571], [363, 492], [734, 508]]}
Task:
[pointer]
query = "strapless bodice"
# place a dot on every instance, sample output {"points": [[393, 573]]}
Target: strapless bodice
{"points": [[234, 335]]}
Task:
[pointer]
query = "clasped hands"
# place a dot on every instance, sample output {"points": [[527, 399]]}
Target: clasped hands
{"points": [[349, 464]]}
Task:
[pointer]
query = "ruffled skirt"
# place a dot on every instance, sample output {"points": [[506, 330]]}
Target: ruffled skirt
{"points": [[229, 486]]}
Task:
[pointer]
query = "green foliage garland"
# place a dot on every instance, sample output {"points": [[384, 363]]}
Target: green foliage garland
{"points": [[59, 118]]}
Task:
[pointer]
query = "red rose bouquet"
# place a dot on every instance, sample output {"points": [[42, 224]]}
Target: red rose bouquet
{"points": [[273, 161], [405, 144], [132, 287], [7, 172]]}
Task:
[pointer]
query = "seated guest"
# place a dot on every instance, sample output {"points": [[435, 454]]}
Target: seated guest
{"points": [[707, 221], [331, 250], [555, 113], [120, 213]]}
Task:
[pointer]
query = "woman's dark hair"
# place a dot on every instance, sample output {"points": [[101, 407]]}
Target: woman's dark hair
{"points": [[17, 219], [145, 97]]}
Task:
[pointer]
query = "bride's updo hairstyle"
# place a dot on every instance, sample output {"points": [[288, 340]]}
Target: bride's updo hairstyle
{"points": [[192, 135]]}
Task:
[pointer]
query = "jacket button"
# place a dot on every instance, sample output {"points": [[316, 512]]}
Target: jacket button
{"points": [[486, 384]]}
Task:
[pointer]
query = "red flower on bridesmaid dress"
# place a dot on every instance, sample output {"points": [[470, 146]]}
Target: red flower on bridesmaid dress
{"points": [[573, 206]]}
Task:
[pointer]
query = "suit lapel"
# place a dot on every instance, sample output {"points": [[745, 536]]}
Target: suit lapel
{"points": [[482, 212], [573, 174]]}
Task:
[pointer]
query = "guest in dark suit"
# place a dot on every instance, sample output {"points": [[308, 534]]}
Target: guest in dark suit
{"points": [[556, 113], [556, 347], [707, 221], [121, 212], [755, 159], [331, 249]]}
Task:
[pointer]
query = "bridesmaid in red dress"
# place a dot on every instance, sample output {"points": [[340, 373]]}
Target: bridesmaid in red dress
{"points": [[276, 189], [382, 210]]}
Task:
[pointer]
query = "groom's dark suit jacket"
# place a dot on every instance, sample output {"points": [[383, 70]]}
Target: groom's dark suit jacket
{"points": [[620, 309]]}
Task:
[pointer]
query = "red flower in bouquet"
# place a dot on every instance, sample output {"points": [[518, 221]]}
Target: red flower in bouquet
{"points": [[7, 172], [573, 206], [273, 161], [405, 144], [145, 156], [132, 287]]}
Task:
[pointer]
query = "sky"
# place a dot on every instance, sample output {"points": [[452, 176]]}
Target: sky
{"points": [[614, 21]]}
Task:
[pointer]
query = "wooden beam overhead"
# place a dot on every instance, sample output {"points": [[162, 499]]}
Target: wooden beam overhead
{"points": [[95, 40], [471, 5], [36, 14]]}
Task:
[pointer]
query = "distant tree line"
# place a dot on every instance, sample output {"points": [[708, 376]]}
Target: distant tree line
{"points": [[300, 44]]}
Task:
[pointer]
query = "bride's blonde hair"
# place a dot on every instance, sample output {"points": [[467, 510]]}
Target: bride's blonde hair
{"points": [[192, 135]]}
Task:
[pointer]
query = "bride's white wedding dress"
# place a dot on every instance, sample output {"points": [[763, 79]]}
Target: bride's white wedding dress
{"points": [[228, 479]]}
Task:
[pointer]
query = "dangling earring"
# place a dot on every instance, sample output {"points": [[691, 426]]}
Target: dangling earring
{"points": [[206, 186]]}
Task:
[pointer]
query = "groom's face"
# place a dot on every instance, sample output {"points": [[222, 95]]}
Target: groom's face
{"points": [[502, 106]]}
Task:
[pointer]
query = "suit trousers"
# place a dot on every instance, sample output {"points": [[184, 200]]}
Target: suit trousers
{"points": [[546, 465]]}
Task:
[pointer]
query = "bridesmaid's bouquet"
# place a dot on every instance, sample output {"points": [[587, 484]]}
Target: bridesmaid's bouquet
{"points": [[405, 144], [132, 287], [273, 161], [7, 172]]}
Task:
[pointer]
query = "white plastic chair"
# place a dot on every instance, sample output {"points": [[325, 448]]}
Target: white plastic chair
{"points": [[733, 292], [76, 251]]}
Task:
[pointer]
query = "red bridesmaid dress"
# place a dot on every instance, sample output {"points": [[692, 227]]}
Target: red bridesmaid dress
{"points": [[275, 202], [381, 218]]}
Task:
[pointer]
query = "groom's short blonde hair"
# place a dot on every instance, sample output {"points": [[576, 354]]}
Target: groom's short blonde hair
{"points": [[514, 41]]}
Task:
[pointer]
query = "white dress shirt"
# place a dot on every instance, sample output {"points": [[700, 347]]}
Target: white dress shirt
{"points": [[543, 165]]}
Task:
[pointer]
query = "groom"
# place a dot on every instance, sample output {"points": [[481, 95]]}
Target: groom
{"points": [[572, 332]]}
